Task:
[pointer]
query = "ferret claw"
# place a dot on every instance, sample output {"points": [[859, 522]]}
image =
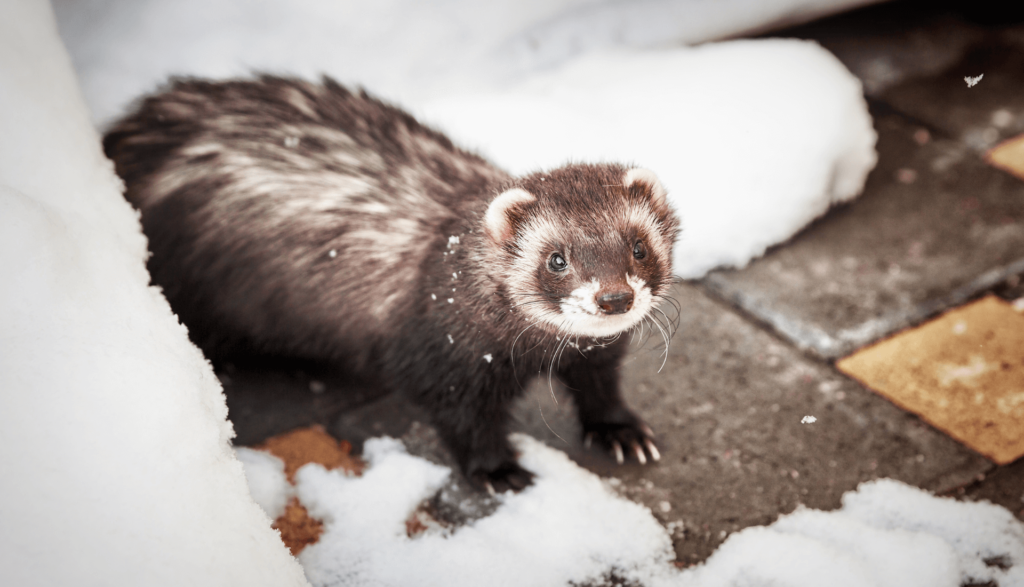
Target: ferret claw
{"points": [[639, 453], [588, 440], [490, 488], [617, 449], [647, 431], [655, 455]]}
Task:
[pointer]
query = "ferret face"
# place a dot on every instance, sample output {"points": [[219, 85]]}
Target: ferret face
{"points": [[588, 249]]}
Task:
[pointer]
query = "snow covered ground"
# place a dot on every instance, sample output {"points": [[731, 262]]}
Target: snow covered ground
{"points": [[113, 438]]}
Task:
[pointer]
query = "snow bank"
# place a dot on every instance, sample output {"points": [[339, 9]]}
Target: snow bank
{"points": [[267, 481], [569, 527], [753, 139], [113, 438]]}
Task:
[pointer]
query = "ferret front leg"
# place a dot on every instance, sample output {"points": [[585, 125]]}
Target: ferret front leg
{"points": [[473, 420], [593, 381]]}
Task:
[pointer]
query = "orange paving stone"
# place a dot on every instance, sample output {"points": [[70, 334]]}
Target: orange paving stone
{"points": [[297, 448], [963, 372], [1008, 156], [311, 445]]}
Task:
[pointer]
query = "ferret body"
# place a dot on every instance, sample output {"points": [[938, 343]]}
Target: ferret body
{"points": [[302, 219]]}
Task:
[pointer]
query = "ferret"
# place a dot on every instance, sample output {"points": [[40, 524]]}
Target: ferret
{"points": [[303, 219]]}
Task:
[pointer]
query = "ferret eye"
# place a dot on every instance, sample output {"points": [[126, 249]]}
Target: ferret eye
{"points": [[557, 263], [639, 250]]}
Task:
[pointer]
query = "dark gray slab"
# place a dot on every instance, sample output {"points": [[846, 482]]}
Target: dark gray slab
{"points": [[934, 227], [892, 42], [269, 396], [727, 408], [982, 115]]}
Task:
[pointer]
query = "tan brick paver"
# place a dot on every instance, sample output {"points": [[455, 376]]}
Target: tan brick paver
{"points": [[963, 372]]}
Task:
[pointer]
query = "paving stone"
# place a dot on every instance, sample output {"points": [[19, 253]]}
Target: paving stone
{"points": [[963, 372], [934, 227], [892, 42], [270, 396], [727, 408], [1002, 486], [981, 115]]}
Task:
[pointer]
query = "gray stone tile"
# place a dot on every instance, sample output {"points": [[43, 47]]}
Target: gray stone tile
{"points": [[893, 42], [727, 408], [270, 396], [934, 227], [1002, 486], [979, 116]]}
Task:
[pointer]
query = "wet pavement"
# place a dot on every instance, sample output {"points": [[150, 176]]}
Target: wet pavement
{"points": [[754, 352]]}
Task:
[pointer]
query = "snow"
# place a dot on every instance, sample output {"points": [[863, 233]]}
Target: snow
{"points": [[744, 173], [572, 527], [753, 139], [117, 468], [267, 481], [548, 535]]}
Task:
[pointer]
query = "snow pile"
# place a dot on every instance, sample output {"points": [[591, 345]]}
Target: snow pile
{"points": [[753, 139], [267, 481], [113, 438], [886, 534], [569, 527]]}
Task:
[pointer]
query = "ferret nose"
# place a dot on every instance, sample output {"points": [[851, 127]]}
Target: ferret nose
{"points": [[615, 303]]}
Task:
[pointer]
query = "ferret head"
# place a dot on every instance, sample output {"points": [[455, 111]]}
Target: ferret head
{"points": [[584, 249]]}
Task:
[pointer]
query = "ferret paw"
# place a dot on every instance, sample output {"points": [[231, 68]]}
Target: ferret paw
{"points": [[636, 440], [508, 475]]}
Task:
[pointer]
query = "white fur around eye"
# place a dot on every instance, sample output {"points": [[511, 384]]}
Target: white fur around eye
{"points": [[658, 193], [496, 219]]}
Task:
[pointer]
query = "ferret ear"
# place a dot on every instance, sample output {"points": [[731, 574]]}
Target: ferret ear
{"points": [[659, 196], [497, 221]]}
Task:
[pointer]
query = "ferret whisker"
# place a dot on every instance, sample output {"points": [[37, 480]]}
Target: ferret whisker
{"points": [[545, 420], [512, 355], [670, 325], [557, 352], [676, 306], [665, 337]]}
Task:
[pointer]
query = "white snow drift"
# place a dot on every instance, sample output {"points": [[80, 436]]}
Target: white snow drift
{"points": [[753, 139], [114, 443]]}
